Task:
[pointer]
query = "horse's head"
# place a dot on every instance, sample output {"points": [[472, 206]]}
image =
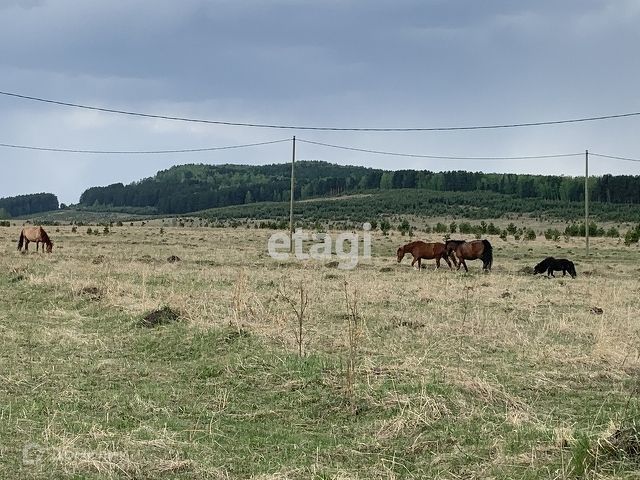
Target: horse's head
{"points": [[542, 266], [572, 270], [452, 245], [400, 254], [49, 247]]}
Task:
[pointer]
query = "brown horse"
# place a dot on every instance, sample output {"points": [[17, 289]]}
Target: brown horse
{"points": [[34, 234], [420, 250], [473, 250]]}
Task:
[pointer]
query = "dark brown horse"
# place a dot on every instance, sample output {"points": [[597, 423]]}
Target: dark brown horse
{"points": [[420, 250], [473, 250], [34, 234], [451, 246]]}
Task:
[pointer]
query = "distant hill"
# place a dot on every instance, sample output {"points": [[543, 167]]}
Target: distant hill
{"points": [[189, 188], [27, 204]]}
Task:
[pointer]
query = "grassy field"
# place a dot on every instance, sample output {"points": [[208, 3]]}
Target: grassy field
{"points": [[403, 374]]}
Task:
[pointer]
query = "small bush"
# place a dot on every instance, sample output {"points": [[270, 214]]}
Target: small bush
{"points": [[441, 228], [405, 227], [466, 228], [493, 230], [613, 232], [529, 234], [552, 234], [518, 234], [385, 226], [632, 235]]}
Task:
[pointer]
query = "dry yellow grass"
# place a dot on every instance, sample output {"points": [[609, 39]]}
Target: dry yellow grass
{"points": [[437, 348]]}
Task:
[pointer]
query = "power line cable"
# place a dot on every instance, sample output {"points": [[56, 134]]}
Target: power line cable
{"points": [[626, 159], [139, 152], [335, 129], [341, 147], [438, 157]]}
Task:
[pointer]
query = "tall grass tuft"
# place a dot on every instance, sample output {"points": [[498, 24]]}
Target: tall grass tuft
{"points": [[354, 335]]}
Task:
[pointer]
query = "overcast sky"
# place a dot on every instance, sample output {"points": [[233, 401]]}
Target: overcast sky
{"points": [[335, 63]]}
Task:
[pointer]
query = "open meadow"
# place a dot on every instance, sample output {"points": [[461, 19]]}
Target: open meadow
{"points": [[398, 373]]}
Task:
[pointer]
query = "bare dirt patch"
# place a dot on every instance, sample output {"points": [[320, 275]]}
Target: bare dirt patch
{"points": [[162, 316]]}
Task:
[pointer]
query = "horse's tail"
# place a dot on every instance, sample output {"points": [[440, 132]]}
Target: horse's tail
{"points": [[21, 240], [487, 254]]}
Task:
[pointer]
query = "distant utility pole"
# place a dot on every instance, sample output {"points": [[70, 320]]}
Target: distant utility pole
{"points": [[293, 161], [586, 199]]}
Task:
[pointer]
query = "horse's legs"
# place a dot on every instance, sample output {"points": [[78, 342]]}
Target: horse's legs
{"points": [[37, 245], [414, 261], [461, 262], [419, 263], [446, 259], [550, 273], [26, 245]]}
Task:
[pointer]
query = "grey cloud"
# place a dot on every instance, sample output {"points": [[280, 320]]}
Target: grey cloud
{"points": [[334, 63]]}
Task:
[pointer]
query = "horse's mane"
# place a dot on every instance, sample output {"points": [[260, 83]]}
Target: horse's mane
{"points": [[45, 237], [544, 264]]}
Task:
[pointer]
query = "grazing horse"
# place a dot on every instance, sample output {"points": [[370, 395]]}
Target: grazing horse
{"points": [[421, 250], [551, 264], [473, 250], [34, 234]]}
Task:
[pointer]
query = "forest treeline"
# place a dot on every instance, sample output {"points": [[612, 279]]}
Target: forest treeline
{"points": [[27, 204], [190, 188], [353, 211]]}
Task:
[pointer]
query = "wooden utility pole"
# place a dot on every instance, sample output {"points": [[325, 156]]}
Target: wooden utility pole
{"points": [[586, 199], [293, 161]]}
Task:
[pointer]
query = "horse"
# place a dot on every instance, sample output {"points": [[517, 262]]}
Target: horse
{"points": [[34, 234], [473, 250], [551, 265], [421, 250]]}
